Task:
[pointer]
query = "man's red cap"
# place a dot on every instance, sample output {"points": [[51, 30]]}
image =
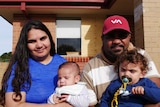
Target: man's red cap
{"points": [[115, 22]]}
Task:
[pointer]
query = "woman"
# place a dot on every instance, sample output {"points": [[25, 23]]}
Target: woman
{"points": [[32, 71]]}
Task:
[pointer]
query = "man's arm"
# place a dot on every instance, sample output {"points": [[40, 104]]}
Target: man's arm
{"points": [[156, 80], [153, 72]]}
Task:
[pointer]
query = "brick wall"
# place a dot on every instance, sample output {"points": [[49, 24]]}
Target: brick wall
{"points": [[151, 19], [91, 30], [147, 27], [20, 20], [81, 61], [3, 66]]}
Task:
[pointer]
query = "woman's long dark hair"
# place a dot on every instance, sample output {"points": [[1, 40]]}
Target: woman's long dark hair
{"points": [[20, 59]]}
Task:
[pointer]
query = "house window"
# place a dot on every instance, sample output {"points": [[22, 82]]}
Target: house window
{"points": [[68, 36]]}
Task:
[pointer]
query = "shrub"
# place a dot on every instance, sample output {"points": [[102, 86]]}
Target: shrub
{"points": [[5, 57]]}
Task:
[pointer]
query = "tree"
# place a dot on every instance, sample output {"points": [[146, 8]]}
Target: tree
{"points": [[5, 57]]}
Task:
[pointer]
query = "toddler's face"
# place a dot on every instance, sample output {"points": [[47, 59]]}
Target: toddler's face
{"points": [[130, 70]]}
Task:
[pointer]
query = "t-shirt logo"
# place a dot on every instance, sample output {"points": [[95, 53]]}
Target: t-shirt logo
{"points": [[116, 21]]}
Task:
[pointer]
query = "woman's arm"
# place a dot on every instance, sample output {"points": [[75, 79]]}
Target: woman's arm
{"points": [[9, 102], [152, 105]]}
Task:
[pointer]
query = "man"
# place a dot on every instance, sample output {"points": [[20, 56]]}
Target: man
{"points": [[99, 71]]}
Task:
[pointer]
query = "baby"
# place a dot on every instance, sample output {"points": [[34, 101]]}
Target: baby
{"points": [[70, 89]]}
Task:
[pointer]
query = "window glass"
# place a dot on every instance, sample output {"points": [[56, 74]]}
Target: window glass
{"points": [[68, 36]]}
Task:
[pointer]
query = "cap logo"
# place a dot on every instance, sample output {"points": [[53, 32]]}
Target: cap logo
{"points": [[116, 21]]}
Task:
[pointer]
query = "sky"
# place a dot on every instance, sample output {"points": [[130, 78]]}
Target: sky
{"points": [[5, 36]]}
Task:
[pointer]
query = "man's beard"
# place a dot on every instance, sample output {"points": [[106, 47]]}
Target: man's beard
{"points": [[113, 55]]}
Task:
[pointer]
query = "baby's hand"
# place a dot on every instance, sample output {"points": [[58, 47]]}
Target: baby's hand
{"points": [[63, 97], [56, 98], [138, 90]]}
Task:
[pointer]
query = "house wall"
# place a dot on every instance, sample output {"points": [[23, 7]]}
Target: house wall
{"points": [[20, 20], [3, 66], [91, 30], [147, 27], [145, 31]]}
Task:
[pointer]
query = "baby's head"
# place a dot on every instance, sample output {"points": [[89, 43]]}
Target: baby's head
{"points": [[68, 74], [132, 65]]}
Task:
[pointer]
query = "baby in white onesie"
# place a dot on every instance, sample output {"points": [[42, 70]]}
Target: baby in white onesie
{"points": [[70, 89]]}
